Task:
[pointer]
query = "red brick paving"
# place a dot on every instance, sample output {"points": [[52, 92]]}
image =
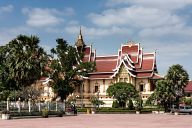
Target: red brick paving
{"points": [[103, 121]]}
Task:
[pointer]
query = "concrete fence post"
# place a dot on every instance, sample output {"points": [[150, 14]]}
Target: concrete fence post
{"points": [[39, 105], [48, 105], [64, 105], [8, 104], [56, 105], [19, 105], [29, 104]]}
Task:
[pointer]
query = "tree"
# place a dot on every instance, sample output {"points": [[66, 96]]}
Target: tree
{"points": [[169, 90], [24, 63], [138, 103], [96, 102], [29, 92], [177, 78], [163, 95], [122, 92], [67, 68]]}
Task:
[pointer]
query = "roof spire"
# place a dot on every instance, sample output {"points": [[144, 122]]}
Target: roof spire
{"points": [[80, 37], [80, 31], [80, 43]]}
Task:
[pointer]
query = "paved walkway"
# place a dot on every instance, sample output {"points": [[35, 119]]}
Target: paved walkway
{"points": [[103, 121]]}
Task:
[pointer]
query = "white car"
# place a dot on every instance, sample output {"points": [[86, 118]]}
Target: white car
{"points": [[182, 109]]}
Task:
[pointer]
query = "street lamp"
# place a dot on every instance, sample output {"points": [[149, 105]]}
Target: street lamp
{"points": [[81, 95], [81, 90], [98, 90]]}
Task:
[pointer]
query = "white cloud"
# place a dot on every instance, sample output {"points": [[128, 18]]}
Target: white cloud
{"points": [[7, 34], [135, 16], [38, 17], [8, 8], [161, 4]]}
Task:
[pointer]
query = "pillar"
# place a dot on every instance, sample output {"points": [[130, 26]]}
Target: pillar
{"points": [[29, 104], [8, 104]]}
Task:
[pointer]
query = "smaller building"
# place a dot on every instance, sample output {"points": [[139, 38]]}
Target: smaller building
{"points": [[43, 86], [188, 89]]}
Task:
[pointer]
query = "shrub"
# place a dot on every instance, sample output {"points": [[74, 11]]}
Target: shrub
{"points": [[5, 112], [115, 104], [60, 113], [130, 105], [45, 113], [138, 104]]}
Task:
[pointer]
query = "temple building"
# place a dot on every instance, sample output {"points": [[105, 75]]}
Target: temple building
{"points": [[131, 64]]}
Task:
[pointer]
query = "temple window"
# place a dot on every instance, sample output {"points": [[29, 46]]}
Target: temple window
{"points": [[96, 87], [125, 80], [121, 80], [141, 87]]}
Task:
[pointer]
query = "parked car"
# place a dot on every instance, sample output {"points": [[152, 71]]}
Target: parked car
{"points": [[182, 109]]}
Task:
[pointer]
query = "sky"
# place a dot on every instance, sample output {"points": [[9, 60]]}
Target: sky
{"points": [[164, 26]]}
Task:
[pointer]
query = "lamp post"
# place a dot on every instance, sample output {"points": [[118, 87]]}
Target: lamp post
{"points": [[98, 98], [81, 95], [97, 85], [81, 90]]}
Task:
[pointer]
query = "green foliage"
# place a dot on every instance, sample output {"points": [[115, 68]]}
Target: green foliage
{"points": [[169, 90], [122, 92], [67, 68], [45, 113], [186, 100], [23, 62], [178, 78], [138, 104], [96, 102], [115, 104], [163, 94], [130, 105]]}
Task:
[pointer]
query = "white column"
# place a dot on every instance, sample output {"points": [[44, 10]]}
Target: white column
{"points": [[39, 105], [19, 105], [29, 104], [8, 104], [56, 105]]}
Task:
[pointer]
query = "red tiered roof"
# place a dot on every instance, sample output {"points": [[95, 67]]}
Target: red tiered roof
{"points": [[188, 87], [138, 64], [101, 76], [106, 63]]}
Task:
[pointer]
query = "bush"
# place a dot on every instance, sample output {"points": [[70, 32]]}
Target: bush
{"points": [[81, 109], [115, 104], [114, 110], [130, 105], [45, 113], [138, 104], [60, 113], [5, 112]]}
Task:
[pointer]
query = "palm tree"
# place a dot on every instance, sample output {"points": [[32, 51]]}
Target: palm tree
{"points": [[177, 78], [25, 60]]}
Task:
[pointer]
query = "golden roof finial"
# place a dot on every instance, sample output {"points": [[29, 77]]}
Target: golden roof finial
{"points": [[80, 42]]}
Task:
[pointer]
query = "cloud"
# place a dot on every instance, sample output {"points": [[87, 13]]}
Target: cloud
{"points": [[135, 16], [161, 4], [7, 34], [38, 17], [8, 8]]}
